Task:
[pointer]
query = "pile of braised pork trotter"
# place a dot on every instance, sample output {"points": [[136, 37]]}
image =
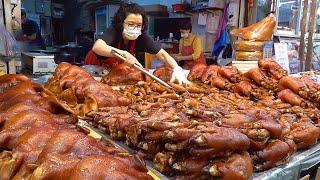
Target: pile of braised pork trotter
{"points": [[225, 125], [39, 140]]}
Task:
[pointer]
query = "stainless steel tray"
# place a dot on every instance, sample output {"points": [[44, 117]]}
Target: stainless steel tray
{"points": [[97, 133], [291, 170]]}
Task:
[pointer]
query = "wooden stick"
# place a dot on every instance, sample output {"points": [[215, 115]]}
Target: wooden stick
{"points": [[303, 33], [310, 37]]}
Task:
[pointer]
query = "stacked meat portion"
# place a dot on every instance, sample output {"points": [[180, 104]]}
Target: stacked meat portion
{"points": [[267, 81], [181, 139], [226, 125], [38, 140], [81, 92], [257, 83]]}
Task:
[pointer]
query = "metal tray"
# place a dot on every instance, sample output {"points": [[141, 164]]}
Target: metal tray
{"points": [[97, 133], [299, 161]]}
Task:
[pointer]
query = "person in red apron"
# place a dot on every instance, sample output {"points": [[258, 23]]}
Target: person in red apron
{"points": [[127, 35], [190, 48]]}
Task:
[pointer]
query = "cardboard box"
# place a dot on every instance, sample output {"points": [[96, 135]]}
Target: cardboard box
{"points": [[12, 66], [3, 67], [8, 67], [244, 66]]}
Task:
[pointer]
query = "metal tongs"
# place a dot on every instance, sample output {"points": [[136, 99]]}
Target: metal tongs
{"points": [[144, 71]]}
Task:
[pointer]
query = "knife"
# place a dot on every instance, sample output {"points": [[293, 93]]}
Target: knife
{"points": [[143, 70]]}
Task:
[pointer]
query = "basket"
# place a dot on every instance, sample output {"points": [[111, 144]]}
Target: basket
{"points": [[178, 7]]}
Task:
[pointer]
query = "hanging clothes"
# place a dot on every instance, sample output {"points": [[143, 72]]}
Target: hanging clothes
{"points": [[222, 36]]}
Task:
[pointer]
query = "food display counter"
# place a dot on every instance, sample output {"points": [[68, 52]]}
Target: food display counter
{"points": [[160, 125], [174, 130]]}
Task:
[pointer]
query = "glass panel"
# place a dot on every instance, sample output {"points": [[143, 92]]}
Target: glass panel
{"points": [[262, 9], [112, 11], [101, 19], [288, 15], [318, 18]]}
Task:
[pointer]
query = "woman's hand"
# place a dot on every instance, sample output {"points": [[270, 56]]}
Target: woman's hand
{"points": [[178, 58], [101, 48], [182, 58], [179, 76], [130, 59], [174, 56]]}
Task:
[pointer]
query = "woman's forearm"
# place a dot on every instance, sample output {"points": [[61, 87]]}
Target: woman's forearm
{"points": [[166, 58], [101, 48], [186, 58]]}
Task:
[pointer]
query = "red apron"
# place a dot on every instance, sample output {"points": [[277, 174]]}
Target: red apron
{"points": [[110, 62], [187, 51]]}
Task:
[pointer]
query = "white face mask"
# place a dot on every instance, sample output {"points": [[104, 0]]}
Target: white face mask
{"points": [[131, 34], [184, 35]]}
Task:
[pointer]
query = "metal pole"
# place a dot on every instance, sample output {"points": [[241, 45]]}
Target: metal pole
{"points": [[310, 37], [303, 33], [3, 14]]}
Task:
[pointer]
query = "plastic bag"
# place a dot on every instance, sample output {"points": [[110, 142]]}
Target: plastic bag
{"points": [[243, 45], [249, 56], [221, 43], [8, 44]]}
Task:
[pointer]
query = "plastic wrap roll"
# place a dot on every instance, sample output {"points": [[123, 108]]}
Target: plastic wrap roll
{"points": [[243, 45], [248, 56], [8, 44], [260, 31]]}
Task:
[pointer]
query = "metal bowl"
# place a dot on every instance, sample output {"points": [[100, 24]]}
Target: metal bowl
{"points": [[95, 70]]}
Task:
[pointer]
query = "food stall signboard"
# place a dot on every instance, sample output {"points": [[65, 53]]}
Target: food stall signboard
{"points": [[294, 66], [281, 53]]}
